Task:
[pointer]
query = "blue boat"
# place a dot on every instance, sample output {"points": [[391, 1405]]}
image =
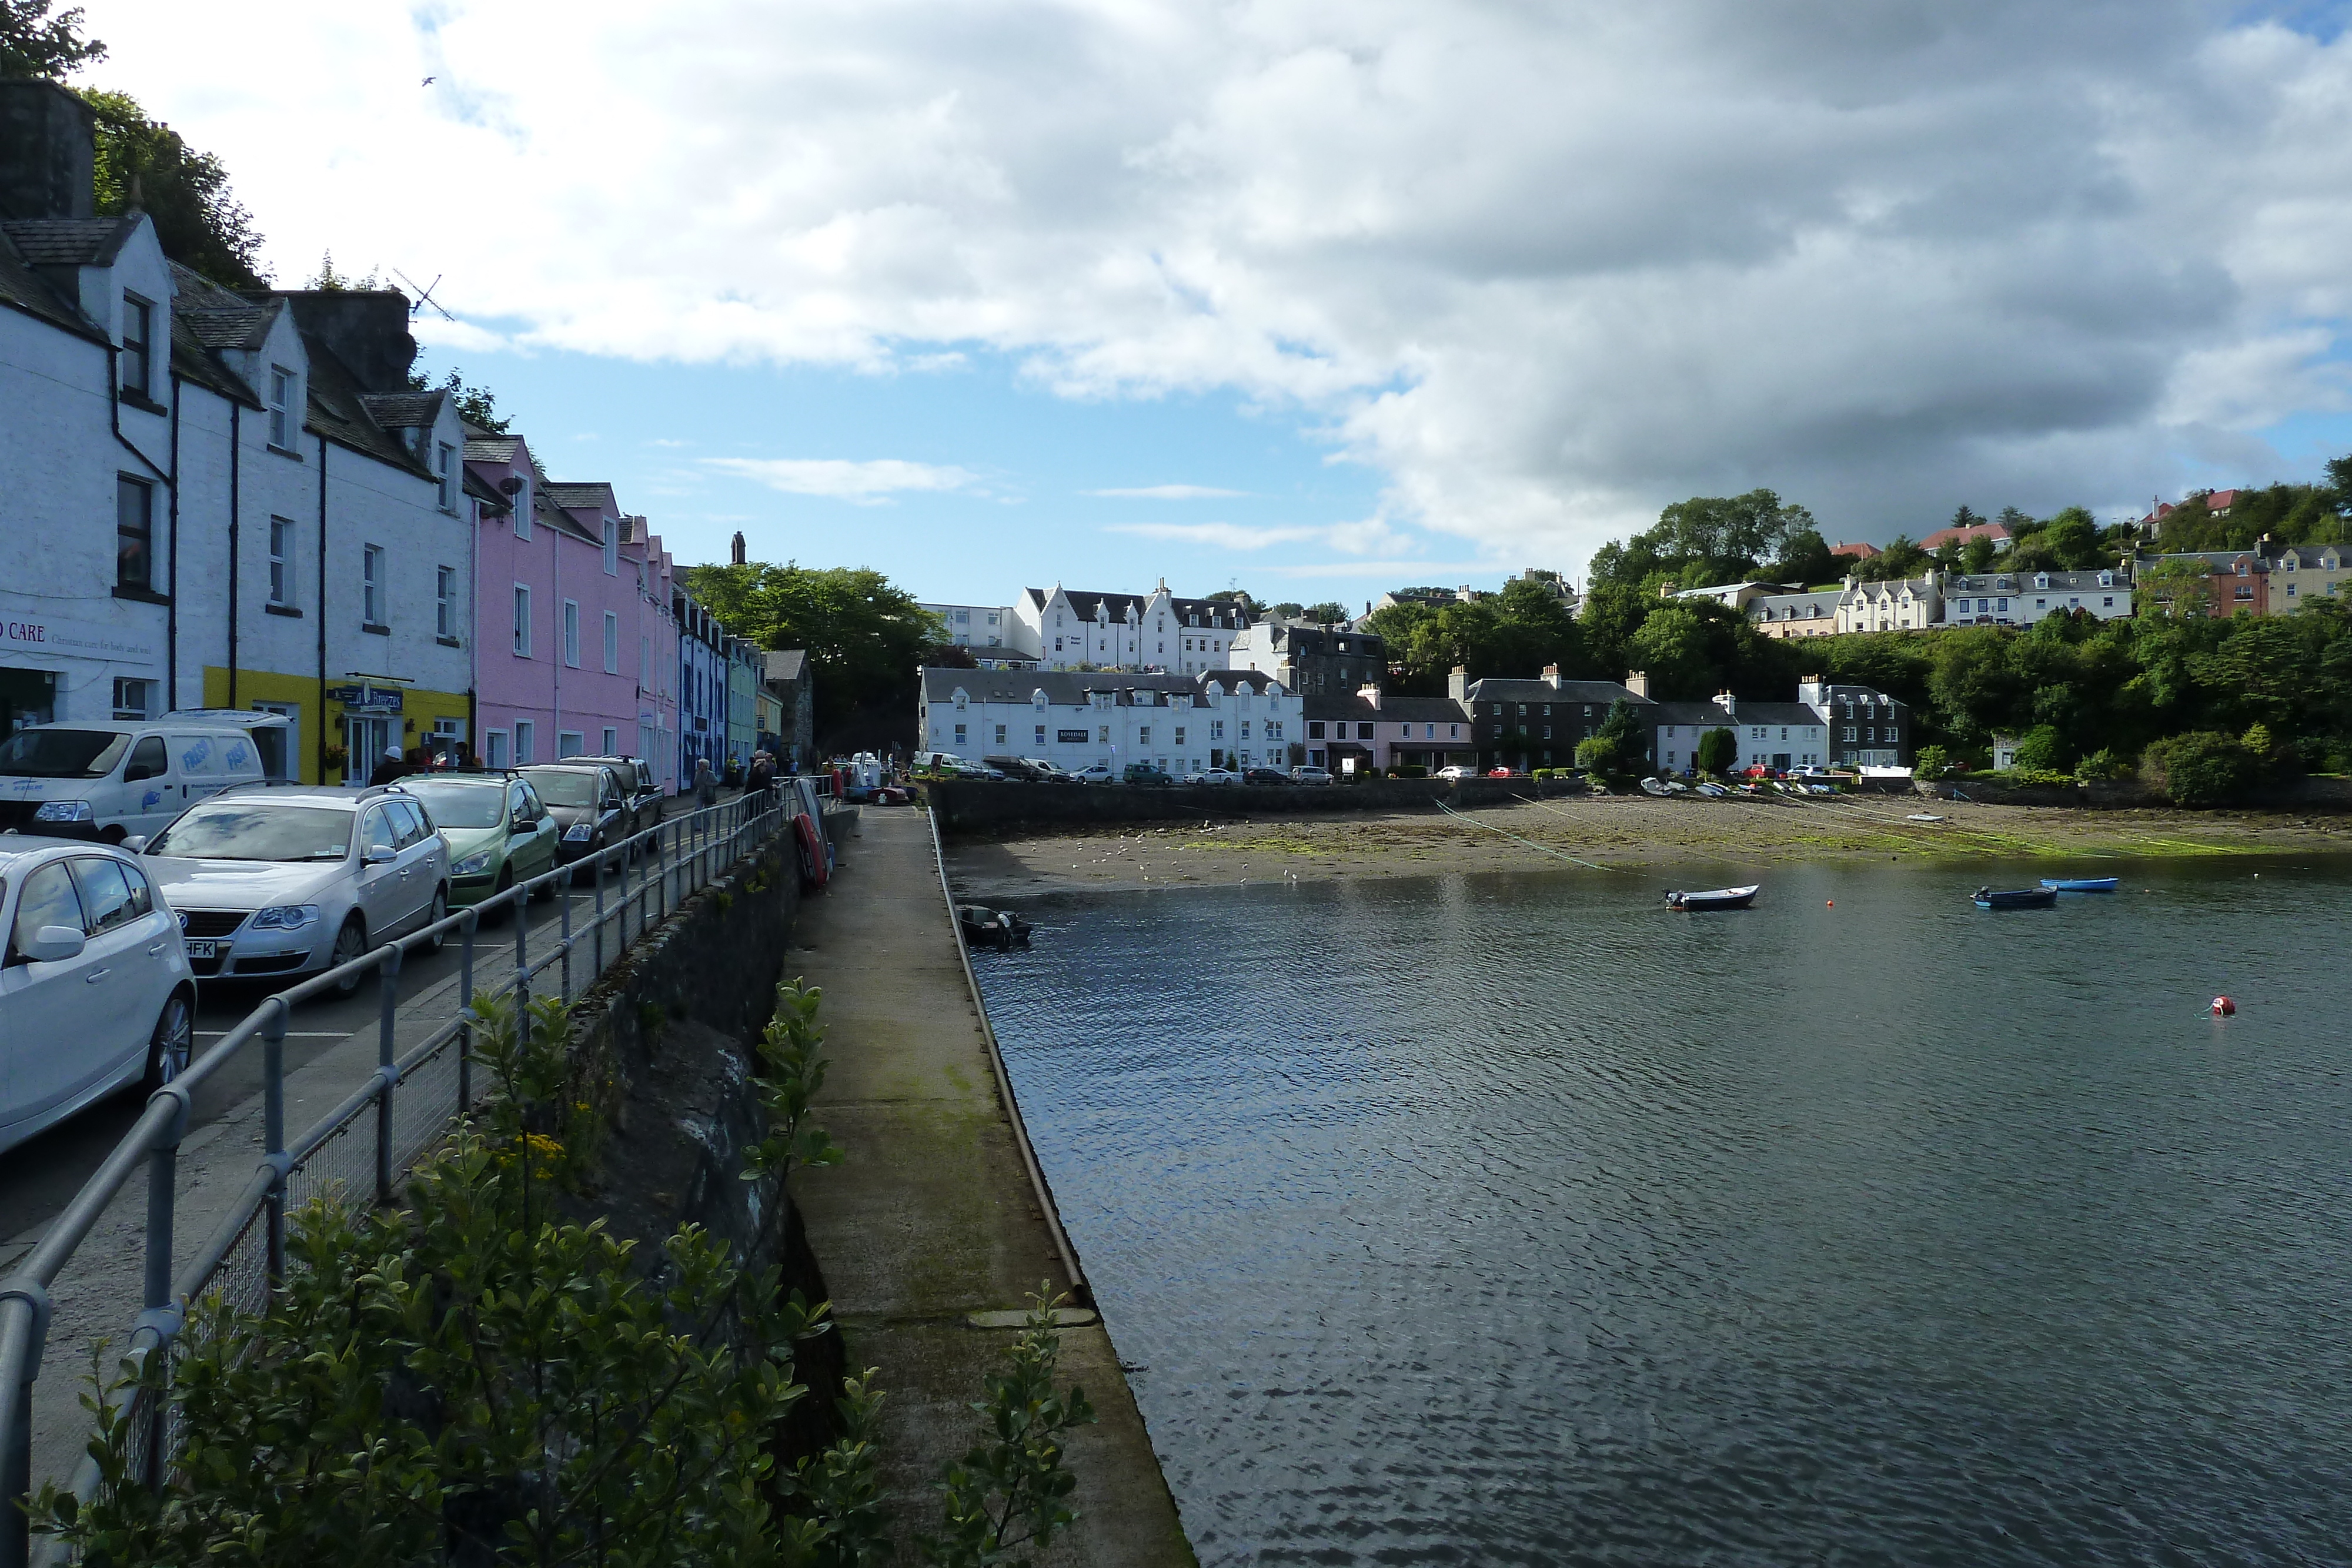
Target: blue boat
{"points": [[2017, 898], [2080, 883]]}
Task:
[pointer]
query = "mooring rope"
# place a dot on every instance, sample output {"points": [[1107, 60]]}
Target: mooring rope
{"points": [[1546, 849]]}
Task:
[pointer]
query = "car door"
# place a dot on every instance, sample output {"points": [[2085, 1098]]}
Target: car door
{"points": [[420, 871], [120, 996], [382, 896], [150, 798], [47, 1004], [531, 850]]}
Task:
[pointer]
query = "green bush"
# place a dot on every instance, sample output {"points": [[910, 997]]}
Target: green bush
{"points": [[1408, 770], [2103, 764], [1600, 754], [2204, 768], [1718, 750], [2044, 750]]}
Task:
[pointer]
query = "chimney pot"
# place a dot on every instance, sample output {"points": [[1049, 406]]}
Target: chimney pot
{"points": [[1638, 682]]}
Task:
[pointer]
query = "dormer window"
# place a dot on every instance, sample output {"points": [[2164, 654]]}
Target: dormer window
{"points": [[963, 700], [138, 346], [2041, 580], [281, 408], [444, 476], [2107, 580]]}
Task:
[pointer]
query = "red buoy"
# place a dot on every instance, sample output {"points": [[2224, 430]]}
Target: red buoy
{"points": [[2224, 1008]]}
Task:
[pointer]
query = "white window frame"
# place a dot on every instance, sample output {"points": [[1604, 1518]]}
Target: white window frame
{"points": [[282, 393], [497, 747], [282, 575], [141, 350], [612, 642], [526, 742], [445, 600], [522, 619], [571, 634], [444, 477], [612, 549], [371, 595]]}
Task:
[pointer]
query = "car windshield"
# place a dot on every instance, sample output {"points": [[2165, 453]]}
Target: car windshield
{"points": [[256, 830], [455, 805], [62, 753], [566, 789]]}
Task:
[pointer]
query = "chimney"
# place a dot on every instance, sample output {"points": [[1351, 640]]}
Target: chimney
{"points": [[738, 556], [1371, 693], [1638, 683], [365, 329], [1457, 684], [1728, 704], [1551, 677], [49, 151]]}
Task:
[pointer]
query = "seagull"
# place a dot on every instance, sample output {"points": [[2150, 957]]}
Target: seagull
{"points": [[428, 81]]}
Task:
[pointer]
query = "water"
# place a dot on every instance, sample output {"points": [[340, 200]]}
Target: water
{"points": [[1513, 1219]]}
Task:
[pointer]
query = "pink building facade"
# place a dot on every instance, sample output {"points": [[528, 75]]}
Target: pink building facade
{"points": [[575, 643]]}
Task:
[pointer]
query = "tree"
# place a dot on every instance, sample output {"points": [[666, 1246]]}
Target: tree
{"points": [[1601, 755], [2043, 750], [1329, 610], [1932, 762], [2069, 541], [1705, 539], [865, 638], [1290, 610], [1718, 750], [475, 405], [1804, 558], [1975, 556], [1902, 558], [35, 44], [145, 164]]}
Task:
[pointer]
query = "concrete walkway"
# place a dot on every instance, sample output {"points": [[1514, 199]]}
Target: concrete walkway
{"points": [[931, 1218]]}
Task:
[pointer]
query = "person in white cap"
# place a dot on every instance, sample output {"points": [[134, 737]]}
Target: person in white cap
{"points": [[391, 768]]}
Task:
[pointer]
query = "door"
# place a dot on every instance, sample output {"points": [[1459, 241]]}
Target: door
{"points": [[121, 995], [196, 767], [420, 867], [149, 796], [45, 1004], [530, 851], [383, 901], [364, 740]]}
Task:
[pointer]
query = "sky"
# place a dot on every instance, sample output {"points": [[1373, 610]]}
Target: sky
{"points": [[1317, 298]]}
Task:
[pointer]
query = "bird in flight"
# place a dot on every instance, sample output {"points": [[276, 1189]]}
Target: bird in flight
{"points": [[428, 81]]}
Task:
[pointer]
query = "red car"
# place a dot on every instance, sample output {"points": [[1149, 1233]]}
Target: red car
{"points": [[1500, 773]]}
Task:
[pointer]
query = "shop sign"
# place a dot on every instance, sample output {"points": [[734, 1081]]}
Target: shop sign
{"points": [[368, 699], [41, 635]]}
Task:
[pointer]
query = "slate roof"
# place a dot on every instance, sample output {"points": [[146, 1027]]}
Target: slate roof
{"points": [[405, 410], [1216, 613], [593, 495], [1498, 688], [218, 317], [482, 490], [1075, 688], [1798, 606], [788, 665], [2059, 581], [72, 242], [1391, 710], [1771, 713], [25, 290], [492, 448]]}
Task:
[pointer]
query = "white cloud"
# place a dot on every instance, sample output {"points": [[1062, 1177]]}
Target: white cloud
{"points": [[1365, 538], [1544, 268], [1172, 493], [866, 484]]}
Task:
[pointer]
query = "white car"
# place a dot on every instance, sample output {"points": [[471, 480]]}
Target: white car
{"points": [[122, 779], [1213, 776], [272, 883], [94, 991], [1457, 771]]}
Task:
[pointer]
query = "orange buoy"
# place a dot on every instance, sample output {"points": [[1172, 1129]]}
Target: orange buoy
{"points": [[1832, 902], [2224, 1008]]}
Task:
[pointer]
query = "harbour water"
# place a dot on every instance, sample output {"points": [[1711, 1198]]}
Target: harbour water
{"points": [[1516, 1220]]}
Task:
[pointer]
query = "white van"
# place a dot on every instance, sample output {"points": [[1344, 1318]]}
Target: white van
{"points": [[120, 779]]}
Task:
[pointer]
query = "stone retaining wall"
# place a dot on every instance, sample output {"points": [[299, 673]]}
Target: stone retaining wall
{"points": [[964, 805]]}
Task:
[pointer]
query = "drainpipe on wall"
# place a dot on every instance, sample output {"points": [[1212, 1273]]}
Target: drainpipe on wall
{"points": [[323, 609], [235, 431], [172, 610]]}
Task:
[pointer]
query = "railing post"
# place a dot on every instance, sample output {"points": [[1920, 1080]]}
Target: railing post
{"points": [[387, 1075], [661, 864], [466, 1007], [273, 1144], [23, 1328], [563, 896], [522, 957], [599, 944]]}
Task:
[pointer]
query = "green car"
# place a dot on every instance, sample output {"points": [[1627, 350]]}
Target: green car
{"points": [[497, 831]]}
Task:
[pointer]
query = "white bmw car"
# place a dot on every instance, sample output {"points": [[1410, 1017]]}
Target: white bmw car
{"points": [[94, 991]]}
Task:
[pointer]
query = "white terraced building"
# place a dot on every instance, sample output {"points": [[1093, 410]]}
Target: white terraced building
{"points": [[1066, 629], [1075, 720]]}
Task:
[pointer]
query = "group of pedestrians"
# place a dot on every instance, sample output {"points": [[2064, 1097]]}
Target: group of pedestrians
{"points": [[759, 779]]}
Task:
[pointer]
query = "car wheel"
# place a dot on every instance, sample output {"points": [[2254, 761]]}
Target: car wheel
{"points": [[168, 1047], [351, 942], [433, 915]]}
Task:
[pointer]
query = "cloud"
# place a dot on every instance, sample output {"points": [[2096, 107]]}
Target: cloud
{"points": [[1172, 493], [1544, 268], [864, 484], [1360, 537]]}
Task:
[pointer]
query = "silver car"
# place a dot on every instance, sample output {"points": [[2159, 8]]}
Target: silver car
{"points": [[94, 992], [272, 881]]}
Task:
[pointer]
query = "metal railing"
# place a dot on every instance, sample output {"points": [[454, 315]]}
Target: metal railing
{"points": [[366, 1143]]}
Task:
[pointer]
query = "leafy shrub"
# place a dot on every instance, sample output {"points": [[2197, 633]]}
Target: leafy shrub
{"points": [[1718, 750], [1600, 754], [1932, 762], [2044, 750], [2103, 764], [2204, 768], [1408, 770]]}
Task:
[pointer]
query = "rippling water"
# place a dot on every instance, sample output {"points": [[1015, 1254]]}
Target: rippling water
{"points": [[1514, 1219]]}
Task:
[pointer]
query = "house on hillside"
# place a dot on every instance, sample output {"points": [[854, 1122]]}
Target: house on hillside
{"points": [[1962, 536], [1065, 629], [1315, 661], [1371, 729], [1865, 728], [1782, 615], [1778, 735], [1112, 718], [1538, 723]]}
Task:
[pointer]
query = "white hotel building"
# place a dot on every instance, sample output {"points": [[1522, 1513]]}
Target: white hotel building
{"points": [[1179, 724], [1067, 629]]}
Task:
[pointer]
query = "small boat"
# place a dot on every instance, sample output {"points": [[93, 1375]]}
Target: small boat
{"points": [[1720, 898], [2080, 883], [1652, 787], [1677, 787], [998, 928], [2017, 898], [1713, 791], [1923, 817]]}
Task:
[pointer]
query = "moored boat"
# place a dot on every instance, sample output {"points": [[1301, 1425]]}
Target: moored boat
{"points": [[2016, 898], [1652, 787], [1718, 898], [2081, 884], [985, 927]]}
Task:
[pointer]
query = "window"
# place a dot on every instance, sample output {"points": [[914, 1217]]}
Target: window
{"points": [[281, 408], [526, 743], [47, 899], [371, 585], [134, 698], [444, 476], [1217, 729], [612, 742], [960, 729], [445, 602], [567, 743], [105, 893], [1000, 734], [1041, 735], [645, 658], [572, 632], [612, 642], [523, 508], [134, 533], [1849, 732], [138, 346], [1143, 735], [1314, 730], [1101, 739], [612, 550], [496, 749], [281, 562], [522, 619], [1180, 735]]}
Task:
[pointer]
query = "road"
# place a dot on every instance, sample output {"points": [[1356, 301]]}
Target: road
{"points": [[38, 1177]]}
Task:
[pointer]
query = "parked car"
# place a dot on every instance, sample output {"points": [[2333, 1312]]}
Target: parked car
{"points": [[1265, 776], [94, 991], [1213, 776], [586, 801], [124, 778], [1040, 769], [1503, 773], [638, 788], [285, 881], [1146, 775], [1457, 771], [1304, 774], [497, 831], [1096, 773]]}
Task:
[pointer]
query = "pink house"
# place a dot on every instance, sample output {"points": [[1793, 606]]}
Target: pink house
{"points": [[574, 644]]}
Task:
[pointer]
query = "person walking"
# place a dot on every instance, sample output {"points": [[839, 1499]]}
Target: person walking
{"points": [[762, 780], [706, 783], [391, 771]]}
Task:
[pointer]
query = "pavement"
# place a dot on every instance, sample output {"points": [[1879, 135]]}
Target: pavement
{"points": [[931, 1218]]}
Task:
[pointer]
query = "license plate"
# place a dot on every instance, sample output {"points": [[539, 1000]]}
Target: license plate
{"points": [[204, 949]]}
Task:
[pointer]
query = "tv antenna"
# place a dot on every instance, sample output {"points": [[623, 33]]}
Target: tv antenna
{"points": [[424, 295]]}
